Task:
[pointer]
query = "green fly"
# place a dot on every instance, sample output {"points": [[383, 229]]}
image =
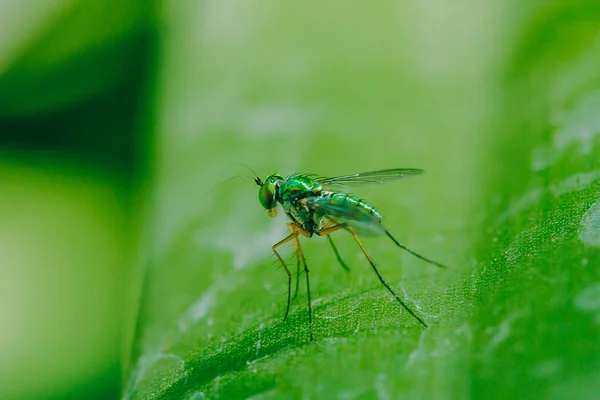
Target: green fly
{"points": [[314, 207]]}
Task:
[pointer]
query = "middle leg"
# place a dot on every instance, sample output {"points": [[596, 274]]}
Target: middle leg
{"points": [[306, 273], [328, 228]]}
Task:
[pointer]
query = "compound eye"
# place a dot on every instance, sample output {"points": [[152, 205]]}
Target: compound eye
{"points": [[266, 195]]}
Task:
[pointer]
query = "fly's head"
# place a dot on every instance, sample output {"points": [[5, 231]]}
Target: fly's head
{"points": [[267, 194]]}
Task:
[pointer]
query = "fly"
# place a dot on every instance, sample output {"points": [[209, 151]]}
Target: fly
{"points": [[314, 207]]}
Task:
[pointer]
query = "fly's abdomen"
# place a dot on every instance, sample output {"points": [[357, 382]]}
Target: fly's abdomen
{"points": [[346, 209], [350, 202]]}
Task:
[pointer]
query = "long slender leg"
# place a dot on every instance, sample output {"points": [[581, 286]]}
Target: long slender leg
{"points": [[328, 228], [296, 229], [337, 254], [292, 227], [297, 276], [412, 252], [292, 230], [383, 280], [292, 236], [301, 255]]}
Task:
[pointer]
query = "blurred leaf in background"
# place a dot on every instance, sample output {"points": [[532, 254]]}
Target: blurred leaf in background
{"points": [[73, 85]]}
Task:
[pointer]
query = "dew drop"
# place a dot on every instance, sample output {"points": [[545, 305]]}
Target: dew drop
{"points": [[589, 228]]}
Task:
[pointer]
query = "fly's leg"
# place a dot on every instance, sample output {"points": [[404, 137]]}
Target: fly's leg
{"points": [[328, 228], [337, 254], [295, 231], [297, 275], [383, 280], [292, 230], [292, 236], [301, 257], [412, 252]]}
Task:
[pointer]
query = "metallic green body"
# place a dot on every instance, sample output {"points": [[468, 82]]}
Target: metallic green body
{"points": [[304, 201]]}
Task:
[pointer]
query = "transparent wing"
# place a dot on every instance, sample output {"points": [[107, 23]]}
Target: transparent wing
{"points": [[381, 176], [360, 221]]}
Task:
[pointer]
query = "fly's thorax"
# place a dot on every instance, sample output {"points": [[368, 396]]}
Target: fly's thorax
{"points": [[303, 215], [296, 188]]}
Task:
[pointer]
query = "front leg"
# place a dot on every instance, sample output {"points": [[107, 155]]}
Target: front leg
{"points": [[294, 229], [292, 236]]}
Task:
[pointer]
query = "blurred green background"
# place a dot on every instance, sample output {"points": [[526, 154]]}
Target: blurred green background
{"points": [[129, 271]]}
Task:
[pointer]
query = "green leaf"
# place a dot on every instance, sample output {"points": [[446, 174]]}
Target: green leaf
{"points": [[506, 126]]}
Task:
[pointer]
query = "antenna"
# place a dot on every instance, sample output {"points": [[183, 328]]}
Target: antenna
{"points": [[249, 169], [225, 181], [256, 178]]}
